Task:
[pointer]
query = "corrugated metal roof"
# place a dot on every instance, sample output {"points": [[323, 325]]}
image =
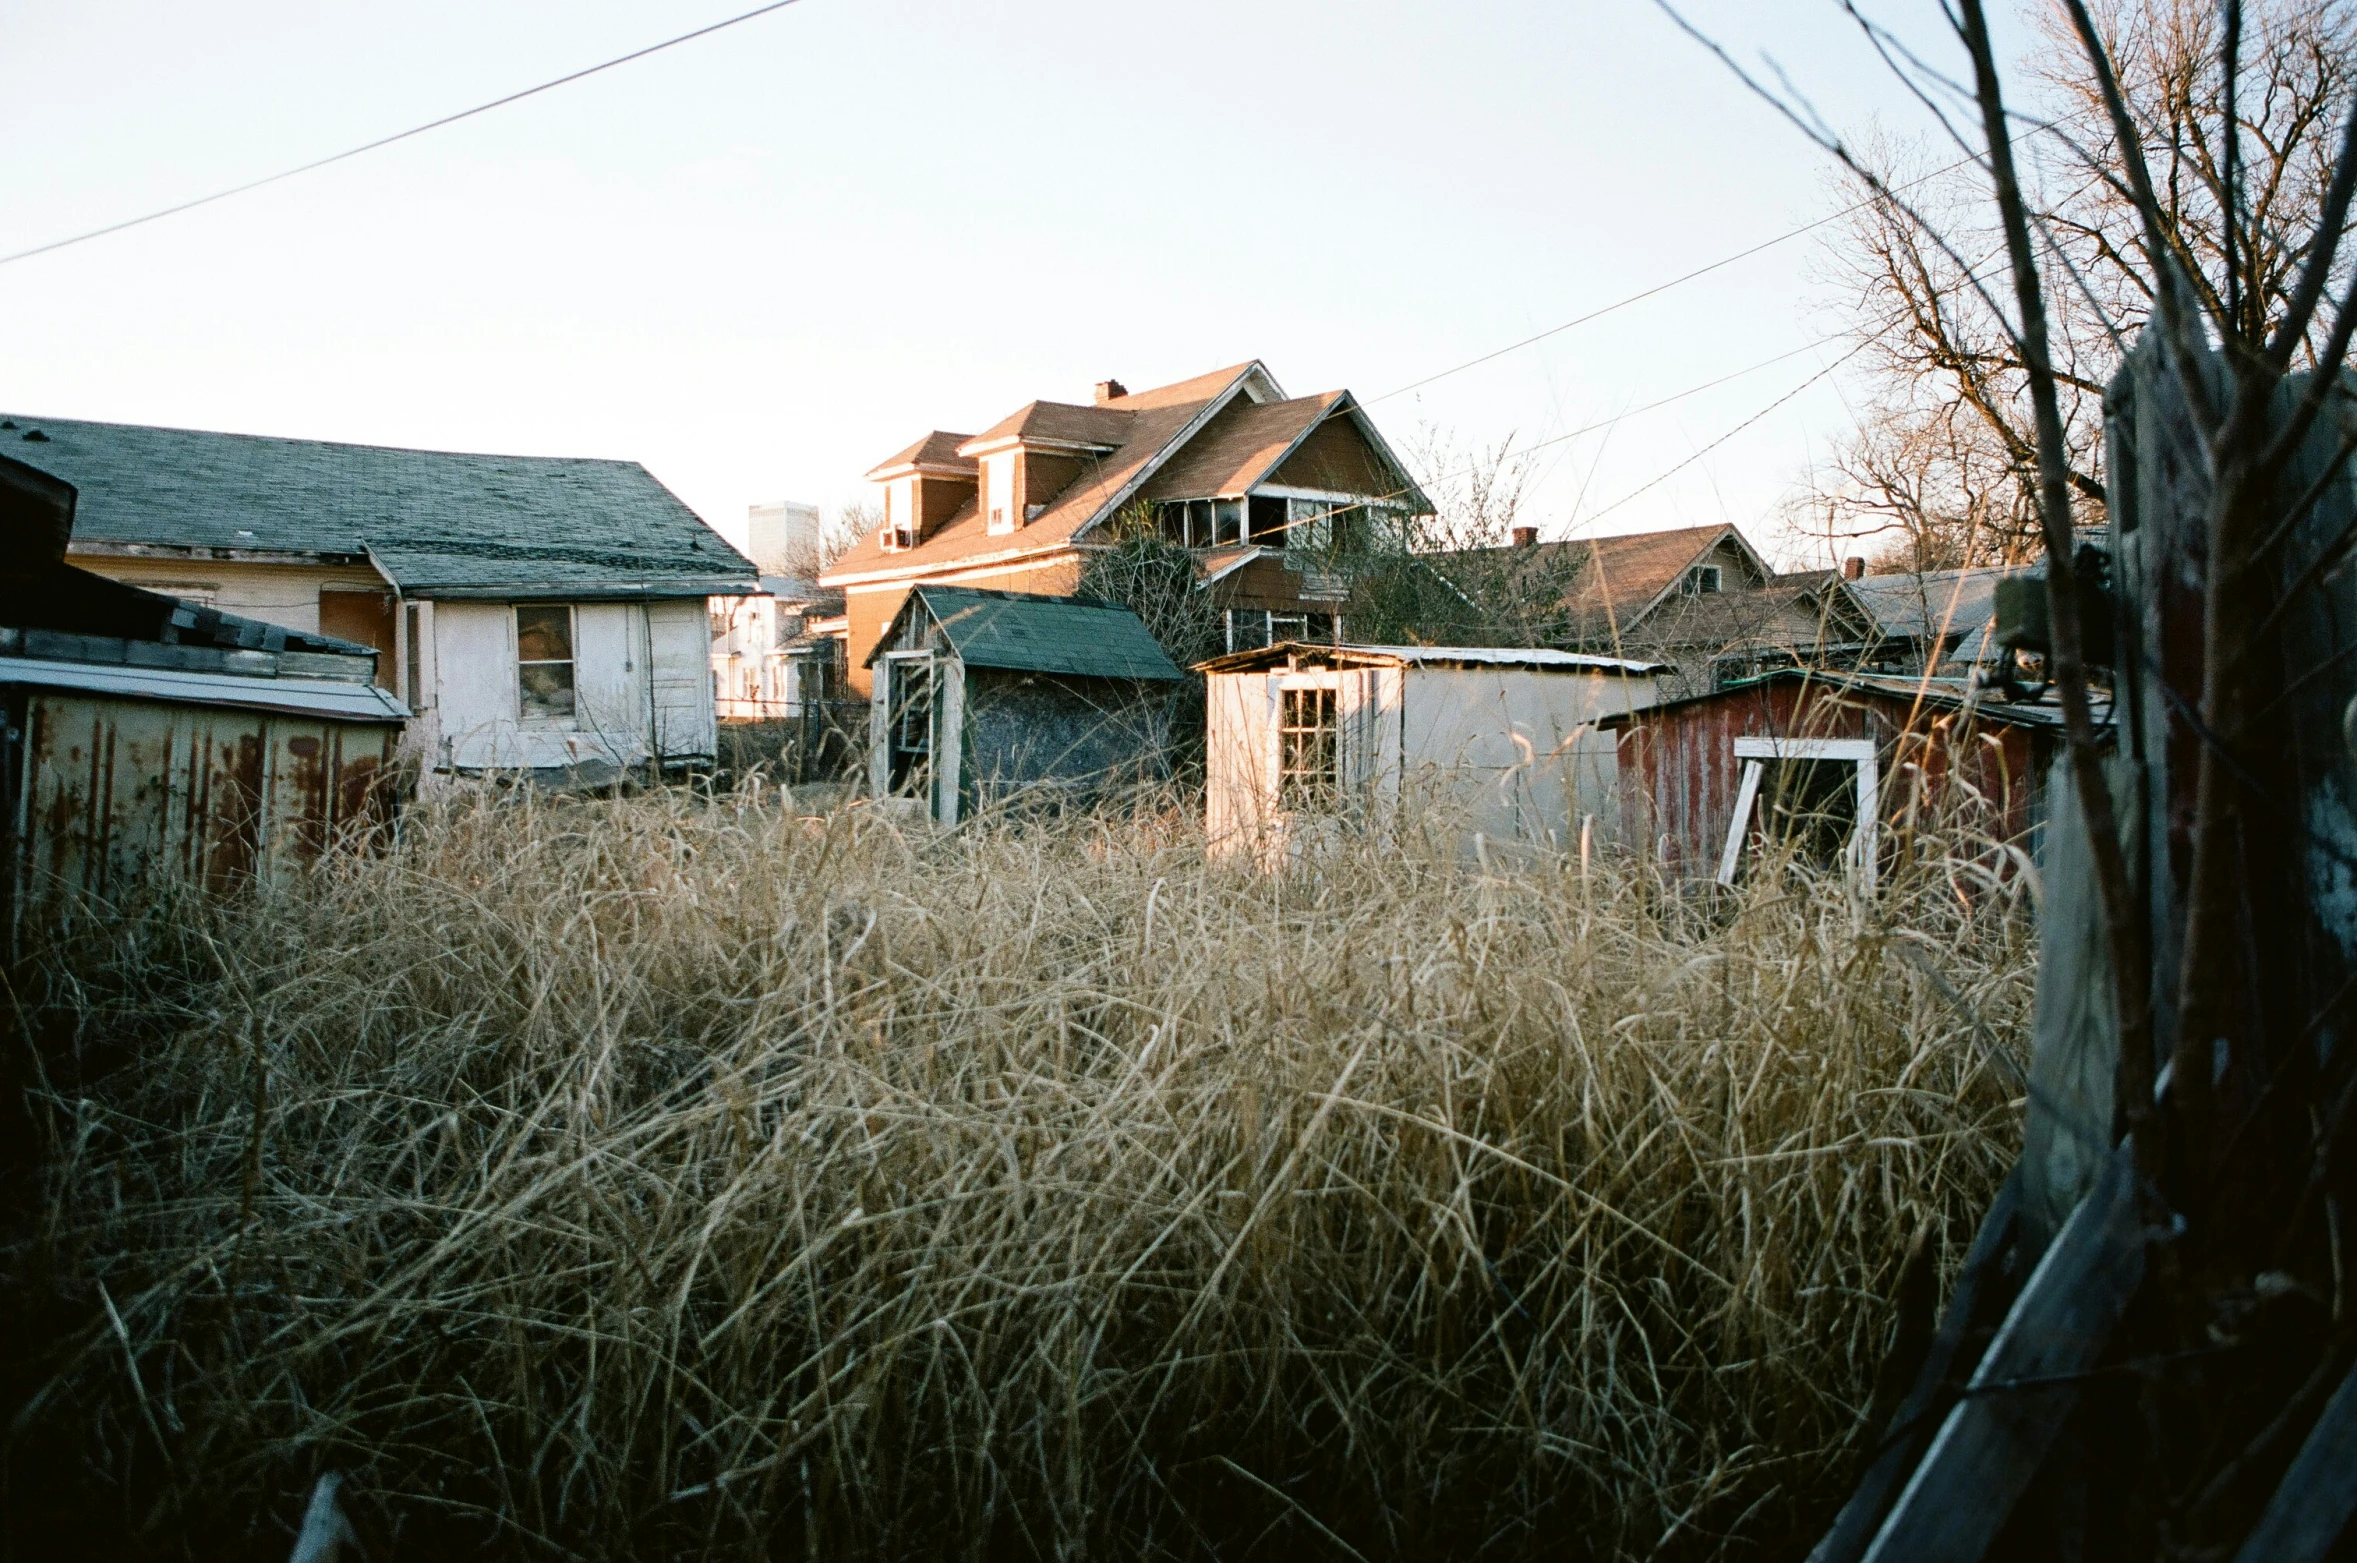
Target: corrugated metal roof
{"points": [[1078, 636], [1940, 694], [1535, 657], [435, 521], [331, 698]]}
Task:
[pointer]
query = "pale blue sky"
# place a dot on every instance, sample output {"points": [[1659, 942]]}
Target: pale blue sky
{"points": [[761, 262]]}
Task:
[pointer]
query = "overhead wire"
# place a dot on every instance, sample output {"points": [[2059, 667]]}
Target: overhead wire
{"points": [[385, 141]]}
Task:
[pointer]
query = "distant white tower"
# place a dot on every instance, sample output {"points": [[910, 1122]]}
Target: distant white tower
{"points": [[783, 538]]}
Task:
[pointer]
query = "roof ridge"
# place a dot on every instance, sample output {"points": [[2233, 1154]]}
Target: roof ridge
{"points": [[33, 422]]}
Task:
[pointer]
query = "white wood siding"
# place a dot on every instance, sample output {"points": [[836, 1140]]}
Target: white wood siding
{"points": [[642, 688]]}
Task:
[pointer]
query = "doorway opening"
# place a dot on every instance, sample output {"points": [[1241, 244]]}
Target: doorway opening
{"points": [[1819, 796]]}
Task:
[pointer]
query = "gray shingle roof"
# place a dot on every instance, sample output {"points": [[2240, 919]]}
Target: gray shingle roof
{"points": [[1078, 636], [438, 523]]}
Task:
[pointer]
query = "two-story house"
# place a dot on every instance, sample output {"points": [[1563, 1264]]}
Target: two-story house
{"points": [[1273, 494]]}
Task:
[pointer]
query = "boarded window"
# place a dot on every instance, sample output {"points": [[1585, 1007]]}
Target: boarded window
{"points": [[1308, 754], [544, 662]]}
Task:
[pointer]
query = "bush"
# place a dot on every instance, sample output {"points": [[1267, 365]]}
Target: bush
{"points": [[645, 1177]]}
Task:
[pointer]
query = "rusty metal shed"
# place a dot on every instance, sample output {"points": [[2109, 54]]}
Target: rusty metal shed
{"points": [[1697, 775], [147, 742]]}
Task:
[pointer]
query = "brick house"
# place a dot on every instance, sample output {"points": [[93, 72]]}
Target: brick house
{"points": [[1272, 493]]}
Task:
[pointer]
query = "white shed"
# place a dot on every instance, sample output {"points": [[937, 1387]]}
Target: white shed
{"points": [[1506, 737]]}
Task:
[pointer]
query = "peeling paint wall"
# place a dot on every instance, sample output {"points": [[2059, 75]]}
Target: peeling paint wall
{"points": [[642, 686]]}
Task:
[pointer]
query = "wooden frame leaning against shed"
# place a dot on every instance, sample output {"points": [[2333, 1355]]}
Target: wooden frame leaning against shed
{"points": [[1757, 753]]}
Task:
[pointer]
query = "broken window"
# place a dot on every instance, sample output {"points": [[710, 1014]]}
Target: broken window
{"points": [[1267, 515], [911, 732], [1309, 755], [1701, 581], [1312, 525], [544, 661]]}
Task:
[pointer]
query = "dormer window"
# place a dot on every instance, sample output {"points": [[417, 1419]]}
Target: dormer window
{"points": [[1701, 581], [900, 518], [999, 499]]}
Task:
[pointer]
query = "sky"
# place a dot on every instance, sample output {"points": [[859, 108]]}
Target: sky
{"points": [[763, 261]]}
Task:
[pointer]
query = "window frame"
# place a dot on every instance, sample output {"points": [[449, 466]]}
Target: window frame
{"points": [[570, 662], [1316, 786]]}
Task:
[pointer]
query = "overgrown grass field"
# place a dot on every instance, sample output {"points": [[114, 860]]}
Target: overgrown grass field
{"points": [[680, 1177]]}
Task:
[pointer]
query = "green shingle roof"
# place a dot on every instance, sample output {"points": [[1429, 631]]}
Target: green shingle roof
{"points": [[1078, 636], [439, 523]]}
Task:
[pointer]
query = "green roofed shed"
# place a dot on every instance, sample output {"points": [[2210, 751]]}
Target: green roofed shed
{"points": [[1078, 637], [982, 699]]}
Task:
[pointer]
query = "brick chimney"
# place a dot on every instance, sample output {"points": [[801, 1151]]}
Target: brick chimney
{"points": [[1526, 537], [1853, 568], [1108, 389]]}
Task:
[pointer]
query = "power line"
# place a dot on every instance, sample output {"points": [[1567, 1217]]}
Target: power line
{"points": [[1674, 396], [1593, 517], [386, 141], [1679, 281]]}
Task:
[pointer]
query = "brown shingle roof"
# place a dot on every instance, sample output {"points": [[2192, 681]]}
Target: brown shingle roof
{"points": [[1062, 423], [1239, 447], [937, 449], [1150, 421], [1605, 583], [1202, 388]]}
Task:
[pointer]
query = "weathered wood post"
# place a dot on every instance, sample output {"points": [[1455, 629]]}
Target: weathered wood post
{"points": [[2099, 1339]]}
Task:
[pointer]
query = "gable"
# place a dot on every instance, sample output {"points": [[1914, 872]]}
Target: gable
{"points": [[1336, 457]]}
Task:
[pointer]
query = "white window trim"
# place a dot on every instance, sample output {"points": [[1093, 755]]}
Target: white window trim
{"points": [[1755, 752], [1804, 749], [562, 724]]}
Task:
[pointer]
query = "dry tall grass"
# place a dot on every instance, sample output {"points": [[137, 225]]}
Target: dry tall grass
{"points": [[654, 1178]]}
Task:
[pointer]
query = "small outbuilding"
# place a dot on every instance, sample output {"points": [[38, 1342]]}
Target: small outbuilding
{"points": [[978, 697], [146, 741], [1510, 738], [1824, 762]]}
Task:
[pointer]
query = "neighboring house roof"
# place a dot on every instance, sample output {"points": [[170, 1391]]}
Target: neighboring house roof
{"points": [[1539, 658], [802, 593], [1076, 636], [1243, 422], [1957, 605], [1790, 613], [1605, 585], [937, 451], [436, 523]]}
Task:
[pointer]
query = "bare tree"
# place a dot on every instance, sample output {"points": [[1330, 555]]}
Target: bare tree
{"points": [[2210, 160], [1942, 466], [807, 557]]}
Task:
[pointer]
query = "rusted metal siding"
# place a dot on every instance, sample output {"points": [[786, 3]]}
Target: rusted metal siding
{"points": [[115, 797], [1679, 772]]}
